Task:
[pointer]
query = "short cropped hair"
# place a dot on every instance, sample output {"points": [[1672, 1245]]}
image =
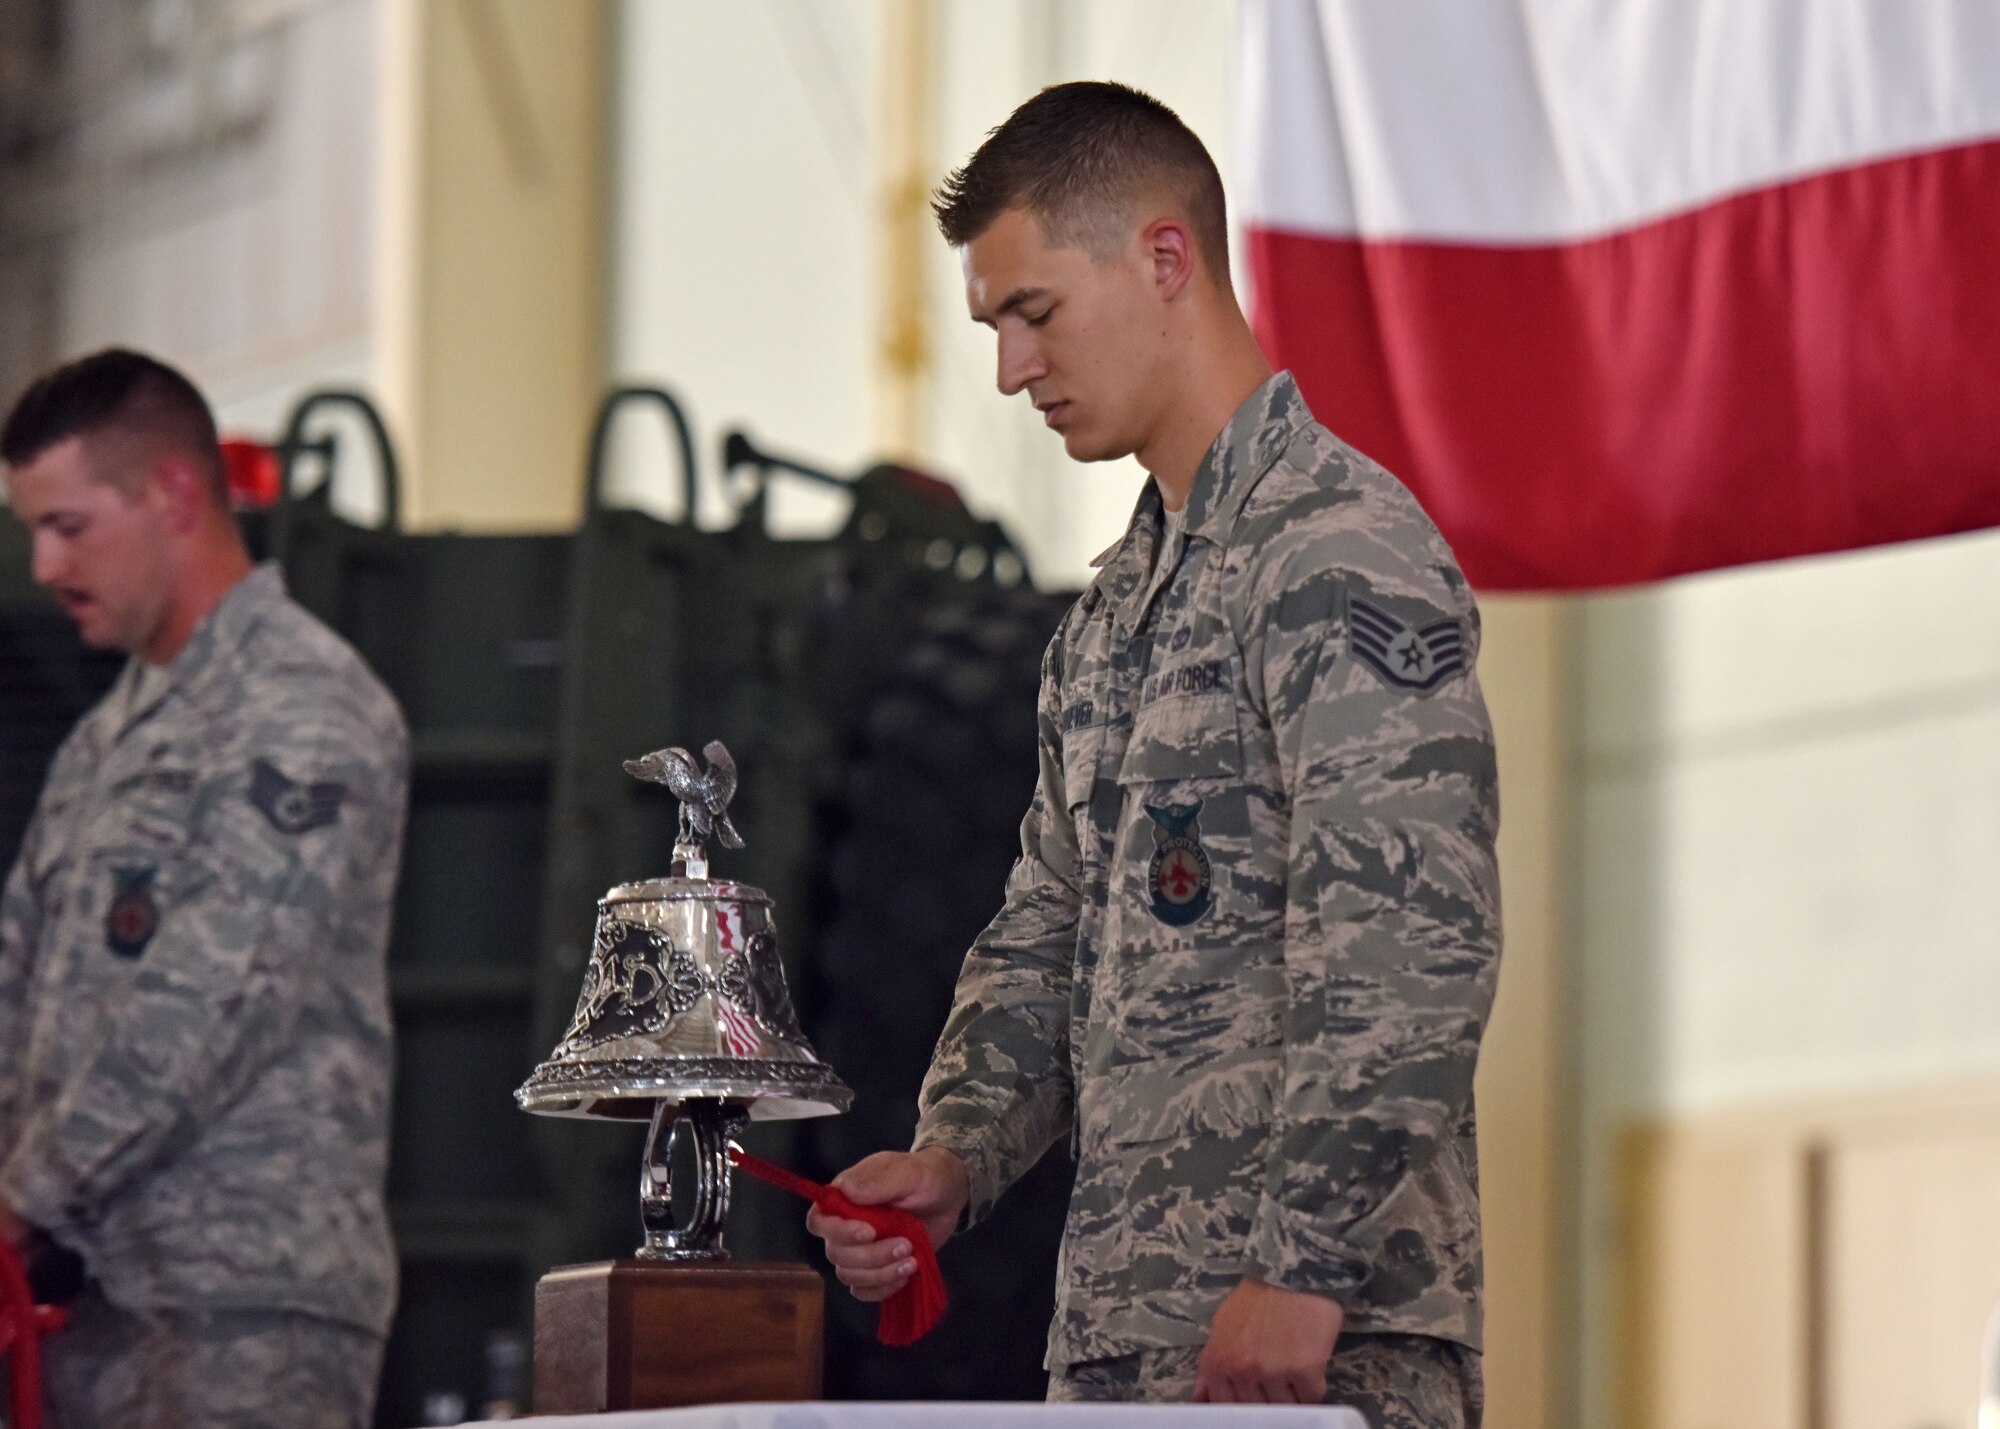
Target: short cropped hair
{"points": [[116, 390], [1080, 158]]}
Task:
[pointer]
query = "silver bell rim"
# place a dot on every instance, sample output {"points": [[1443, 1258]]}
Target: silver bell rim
{"points": [[631, 1088]]}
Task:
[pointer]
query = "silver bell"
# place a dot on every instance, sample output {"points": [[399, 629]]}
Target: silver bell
{"points": [[684, 1016]]}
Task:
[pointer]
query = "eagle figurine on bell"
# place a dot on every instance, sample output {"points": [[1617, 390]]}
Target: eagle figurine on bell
{"points": [[684, 1018]]}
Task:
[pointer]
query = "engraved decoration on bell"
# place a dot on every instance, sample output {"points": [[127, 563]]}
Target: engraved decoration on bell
{"points": [[767, 979], [628, 989]]}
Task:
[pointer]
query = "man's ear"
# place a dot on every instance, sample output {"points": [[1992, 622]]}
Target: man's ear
{"points": [[1170, 249], [181, 487]]}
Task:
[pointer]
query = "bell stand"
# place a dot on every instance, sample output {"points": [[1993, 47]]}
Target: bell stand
{"points": [[713, 1125]]}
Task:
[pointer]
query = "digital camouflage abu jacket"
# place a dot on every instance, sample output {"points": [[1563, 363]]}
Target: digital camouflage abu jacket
{"points": [[1248, 951], [194, 1022]]}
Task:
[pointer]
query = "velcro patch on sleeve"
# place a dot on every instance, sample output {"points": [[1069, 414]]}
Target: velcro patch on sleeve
{"points": [[293, 807], [1418, 658]]}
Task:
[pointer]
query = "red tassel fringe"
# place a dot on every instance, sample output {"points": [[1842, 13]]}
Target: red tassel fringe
{"points": [[912, 1312], [22, 1324]]}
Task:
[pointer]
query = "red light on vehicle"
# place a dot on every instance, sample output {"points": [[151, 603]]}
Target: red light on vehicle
{"points": [[254, 476]]}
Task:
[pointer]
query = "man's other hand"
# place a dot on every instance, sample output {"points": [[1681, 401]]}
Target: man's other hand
{"points": [[931, 1184], [1268, 1345]]}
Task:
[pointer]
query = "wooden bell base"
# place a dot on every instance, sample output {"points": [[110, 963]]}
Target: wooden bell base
{"points": [[637, 1334]]}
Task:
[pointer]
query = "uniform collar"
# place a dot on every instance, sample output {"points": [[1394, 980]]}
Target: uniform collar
{"points": [[1249, 442], [1242, 452], [220, 631]]}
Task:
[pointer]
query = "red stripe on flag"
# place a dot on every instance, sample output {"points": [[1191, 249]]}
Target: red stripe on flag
{"points": [[1806, 368]]}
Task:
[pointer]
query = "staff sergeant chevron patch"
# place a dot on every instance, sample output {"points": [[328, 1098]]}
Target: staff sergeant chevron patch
{"points": [[293, 808], [1409, 657]]}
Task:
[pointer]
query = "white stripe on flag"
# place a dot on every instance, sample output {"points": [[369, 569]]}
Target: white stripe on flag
{"points": [[1531, 121]]}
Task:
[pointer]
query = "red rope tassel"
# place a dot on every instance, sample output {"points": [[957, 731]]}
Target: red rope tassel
{"points": [[909, 1314], [22, 1324]]}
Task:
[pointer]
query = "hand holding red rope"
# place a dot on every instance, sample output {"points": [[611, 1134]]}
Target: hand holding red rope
{"points": [[909, 1314]]}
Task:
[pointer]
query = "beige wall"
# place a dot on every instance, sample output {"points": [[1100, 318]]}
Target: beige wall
{"points": [[1820, 1264], [236, 240], [490, 319], [743, 264], [1528, 1054], [1789, 808]]}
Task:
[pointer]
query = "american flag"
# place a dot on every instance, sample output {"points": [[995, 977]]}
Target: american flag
{"points": [[739, 1033]]}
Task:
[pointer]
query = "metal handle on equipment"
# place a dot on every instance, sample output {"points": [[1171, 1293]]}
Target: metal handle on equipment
{"points": [[600, 441], [295, 445], [739, 451]]}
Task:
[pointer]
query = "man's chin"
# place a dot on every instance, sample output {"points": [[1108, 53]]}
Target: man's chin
{"points": [[1082, 447], [92, 630]]}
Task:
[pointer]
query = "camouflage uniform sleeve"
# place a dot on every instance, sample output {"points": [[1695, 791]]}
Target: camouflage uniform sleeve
{"points": [[240, 907], [998, 1092], [17, 936], [1392, 925], [21, 932]]}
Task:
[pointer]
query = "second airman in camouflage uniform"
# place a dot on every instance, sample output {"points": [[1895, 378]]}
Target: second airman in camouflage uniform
{"points": [[194, 1027], [193, 1012]]}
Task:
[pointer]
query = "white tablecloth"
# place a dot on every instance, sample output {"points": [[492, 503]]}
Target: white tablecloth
{"points": [[963, 1416]]}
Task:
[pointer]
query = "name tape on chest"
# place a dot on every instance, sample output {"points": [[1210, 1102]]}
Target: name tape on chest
{"points": [[1199, 678], [1078, 715]]}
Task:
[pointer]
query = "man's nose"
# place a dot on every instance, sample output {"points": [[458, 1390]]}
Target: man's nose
{"points": [[1020, 363], [46, 560]]}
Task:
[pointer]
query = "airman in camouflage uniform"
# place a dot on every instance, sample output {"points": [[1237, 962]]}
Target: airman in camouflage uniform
{"points": [[194, 1031], [1247, 954], [1250, 946]]}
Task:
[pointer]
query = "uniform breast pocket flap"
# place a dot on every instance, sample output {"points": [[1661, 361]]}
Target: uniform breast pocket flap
{"points": [[154, 806], [1175, 741]]}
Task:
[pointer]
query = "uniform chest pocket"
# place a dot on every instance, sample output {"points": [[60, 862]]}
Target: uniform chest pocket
{"points": [[153, 808], [1190, 740]]}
